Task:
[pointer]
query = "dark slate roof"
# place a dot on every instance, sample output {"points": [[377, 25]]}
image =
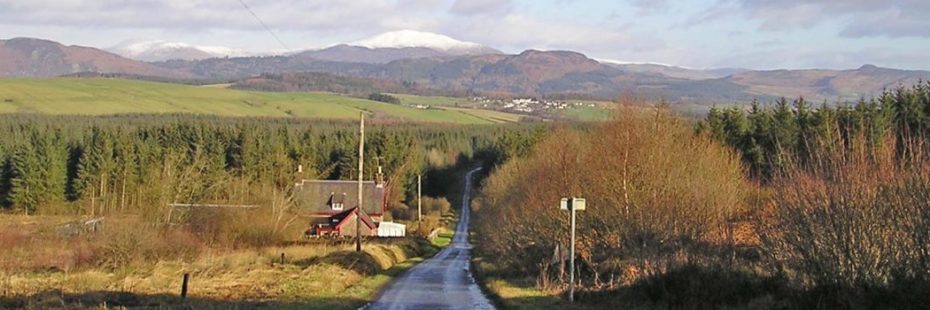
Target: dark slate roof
{"points": [[317, 195]]}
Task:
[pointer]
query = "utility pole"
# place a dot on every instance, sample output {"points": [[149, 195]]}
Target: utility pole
{"points": [[572, 204], [361, 161], [419, 197]]}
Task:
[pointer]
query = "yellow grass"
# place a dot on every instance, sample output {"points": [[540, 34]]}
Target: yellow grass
{"points": [[312, 276]]}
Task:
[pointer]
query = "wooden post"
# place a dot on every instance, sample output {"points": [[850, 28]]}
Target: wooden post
{"points": [[419, 197], [184, 282], [361, 161], [282, 258]]}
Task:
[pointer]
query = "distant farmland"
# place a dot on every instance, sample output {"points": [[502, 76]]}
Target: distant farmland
{"points": [[99, 96]]}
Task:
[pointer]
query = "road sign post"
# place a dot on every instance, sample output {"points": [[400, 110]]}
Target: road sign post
{"points": [[572, 204]]}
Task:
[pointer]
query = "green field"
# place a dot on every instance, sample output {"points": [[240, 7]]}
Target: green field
{"points": [[441, 101], [98, 96], [587, 113]]}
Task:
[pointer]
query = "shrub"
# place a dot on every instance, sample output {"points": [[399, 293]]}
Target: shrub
{"points": [[654, 190], [131, 242], [437, 206], [236, 228], [852, 221]]}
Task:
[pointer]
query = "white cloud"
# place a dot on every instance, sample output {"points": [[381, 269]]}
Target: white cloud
{"points": [[517, 31], [203, 15], [858, 18]]}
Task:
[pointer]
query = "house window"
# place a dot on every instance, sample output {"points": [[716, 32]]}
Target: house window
{"points": [[335, 202]]}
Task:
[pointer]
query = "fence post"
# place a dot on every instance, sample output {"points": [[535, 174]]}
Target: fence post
{"points": [[184, 282]]}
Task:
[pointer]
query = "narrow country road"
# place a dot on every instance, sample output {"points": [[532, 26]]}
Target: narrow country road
{"points": [[443, 281]]}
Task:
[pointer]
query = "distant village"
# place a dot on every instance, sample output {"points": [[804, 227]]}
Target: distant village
{"points": [[528, 105], [520, 105]]}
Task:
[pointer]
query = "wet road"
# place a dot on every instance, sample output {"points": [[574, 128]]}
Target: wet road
{"points": [[443, 281]]}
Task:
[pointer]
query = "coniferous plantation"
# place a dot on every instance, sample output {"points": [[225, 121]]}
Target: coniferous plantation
{"points": [[140, 164], [89, 206]]}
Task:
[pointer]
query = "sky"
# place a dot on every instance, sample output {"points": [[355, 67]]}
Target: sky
{"points": [[754, 34]]}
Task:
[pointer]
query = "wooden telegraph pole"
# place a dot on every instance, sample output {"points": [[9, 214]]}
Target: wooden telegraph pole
{"points": [[361, 161], [419, 197]]}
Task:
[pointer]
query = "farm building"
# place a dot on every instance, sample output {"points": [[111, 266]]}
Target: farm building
{"points": [[391, 229], [332, 206]]}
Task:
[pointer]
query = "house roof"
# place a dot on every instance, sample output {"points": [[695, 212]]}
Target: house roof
{"points": [[340, 218], [317, 196]]}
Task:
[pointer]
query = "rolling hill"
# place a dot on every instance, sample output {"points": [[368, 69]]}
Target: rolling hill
{"points": [[26, 57], [97, 96], [866, 81]]}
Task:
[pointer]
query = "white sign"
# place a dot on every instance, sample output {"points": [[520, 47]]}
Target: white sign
{"points": [[568, 204], [578, 204]]}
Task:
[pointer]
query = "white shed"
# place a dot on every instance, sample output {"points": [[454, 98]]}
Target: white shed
{"points": [[391, 229]]}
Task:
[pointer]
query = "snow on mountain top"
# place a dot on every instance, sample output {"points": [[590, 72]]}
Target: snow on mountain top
{"points": [[411, 38], [623, 62], [156, 50]]}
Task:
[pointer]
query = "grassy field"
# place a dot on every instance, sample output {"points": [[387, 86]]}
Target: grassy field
{"points": [[587, 113], [97, 96], [326, 274], [440, 101]]}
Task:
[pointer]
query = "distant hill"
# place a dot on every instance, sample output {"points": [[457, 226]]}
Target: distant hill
{"points": [[397, 45], [317, 81], [161, 51], [360, 54], [867, 81], [561, 74], [425, 63], [676, 72], [27, 57]]}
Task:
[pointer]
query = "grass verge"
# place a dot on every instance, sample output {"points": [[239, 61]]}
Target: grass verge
{"points": [[312, 276]]}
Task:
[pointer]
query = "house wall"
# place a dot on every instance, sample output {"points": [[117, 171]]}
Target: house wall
{"points": [[348, 229]]}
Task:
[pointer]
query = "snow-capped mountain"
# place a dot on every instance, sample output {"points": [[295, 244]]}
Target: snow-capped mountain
{"points": [[395, 45], [412, 39], [158, 50]]}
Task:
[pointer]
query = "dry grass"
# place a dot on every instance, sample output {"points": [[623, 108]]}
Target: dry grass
{"points": [[313, 275], [127, 262]]}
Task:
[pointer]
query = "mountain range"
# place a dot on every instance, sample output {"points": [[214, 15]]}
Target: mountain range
{"points": [[423, 61]]}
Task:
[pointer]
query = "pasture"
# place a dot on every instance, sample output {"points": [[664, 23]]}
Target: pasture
{"points": [[100, 96]]}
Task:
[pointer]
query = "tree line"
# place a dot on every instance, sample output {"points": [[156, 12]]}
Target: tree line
{"points": [[141, 163], [772, 138]]}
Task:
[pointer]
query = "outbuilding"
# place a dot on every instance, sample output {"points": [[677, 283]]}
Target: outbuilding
{"points": [[391, 229]]}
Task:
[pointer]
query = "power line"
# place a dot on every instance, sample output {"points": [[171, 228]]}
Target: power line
{"points": [[247, 8]]}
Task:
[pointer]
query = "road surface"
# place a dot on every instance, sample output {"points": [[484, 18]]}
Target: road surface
{"points": [[443, 281]]}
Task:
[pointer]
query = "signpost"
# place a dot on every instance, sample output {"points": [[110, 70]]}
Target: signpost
{"points": [[572, 204]]}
